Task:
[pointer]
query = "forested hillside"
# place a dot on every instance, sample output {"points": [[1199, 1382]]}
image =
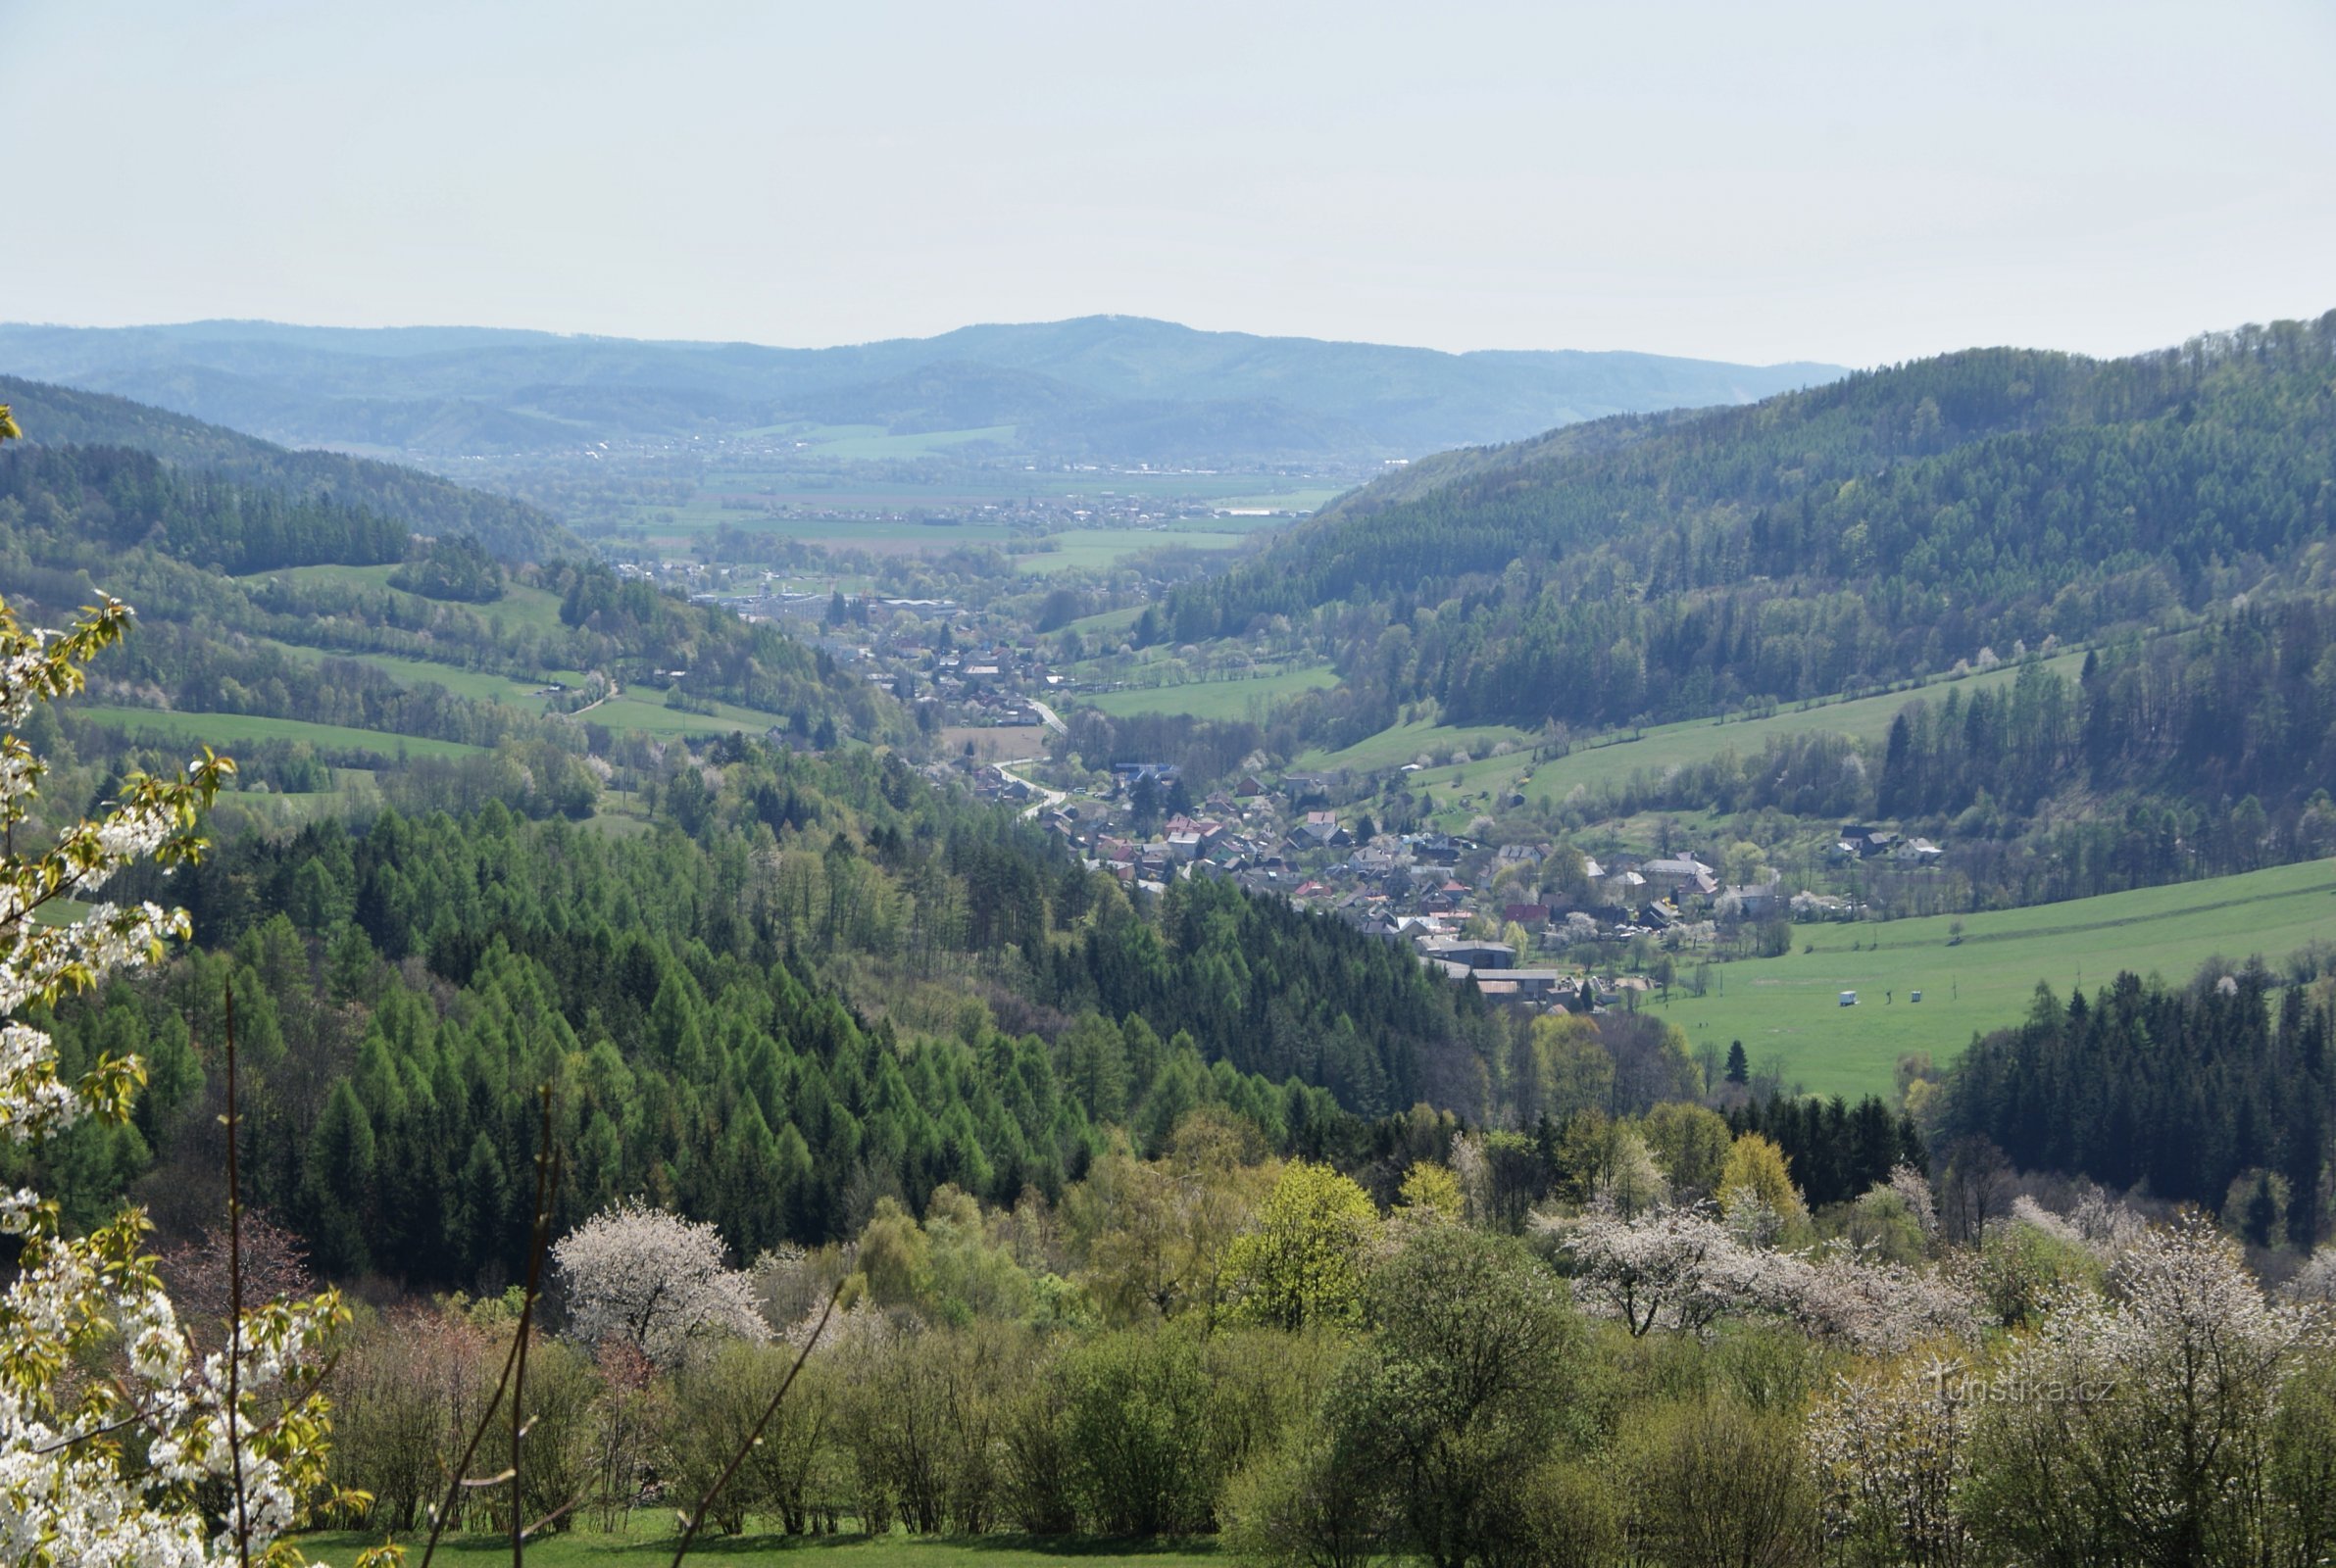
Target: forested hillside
{"points": [[816, 983], [1890, 524], [232, 626], [58, 416]]}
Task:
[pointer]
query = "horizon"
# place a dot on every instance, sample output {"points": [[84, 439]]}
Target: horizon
{"points": [[557, 335], [1822, 185]]}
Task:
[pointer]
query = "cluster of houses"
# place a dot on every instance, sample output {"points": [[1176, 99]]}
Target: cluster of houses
{"points": [[1859, 842], [1438, 892]]}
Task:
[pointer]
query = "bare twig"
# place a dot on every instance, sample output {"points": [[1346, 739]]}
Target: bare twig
{"points": [[547, 1176], [697, 1515], [235, 1303]]}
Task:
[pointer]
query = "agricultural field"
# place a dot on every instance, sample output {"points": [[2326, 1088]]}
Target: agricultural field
{"points": [[649, 715], [1214, 698], [593, 1549], [228, 730], [1098, 548], [1788, 1007]]}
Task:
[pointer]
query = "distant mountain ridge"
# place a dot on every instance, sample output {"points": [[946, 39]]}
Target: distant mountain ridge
{"points": [[1114, 387]]}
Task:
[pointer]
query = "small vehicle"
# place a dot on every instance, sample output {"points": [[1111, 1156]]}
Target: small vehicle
{"points": [[1849, 998]]}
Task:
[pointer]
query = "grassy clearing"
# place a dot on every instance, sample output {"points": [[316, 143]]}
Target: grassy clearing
{"points": [[649, 1550], [1098, 548], [1400, 743], [649, 715], [1214, 698], [477, 684], [1121, 620], [1604, 761], [228, 730], [536, 609], [1788, 1006], [1864, 718]]}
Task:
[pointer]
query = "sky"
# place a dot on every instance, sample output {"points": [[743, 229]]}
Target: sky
{"points": [[1848, 183]]}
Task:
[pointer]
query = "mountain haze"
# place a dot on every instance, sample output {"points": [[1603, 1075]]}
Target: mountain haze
{"points": [[1114, 388]]}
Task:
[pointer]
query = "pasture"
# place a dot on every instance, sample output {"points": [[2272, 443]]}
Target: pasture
{"points": [[1612, 760], [1099, 549], [1213, 699], [536, 609], [648, 1548], [1788, 1006], [226, 731]]}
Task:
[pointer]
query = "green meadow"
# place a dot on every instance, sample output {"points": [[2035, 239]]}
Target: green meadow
{"points": [[1789, 1006], [226, 731], [1214, 698], [1096, 548], [536, 609], [1611, 759]]}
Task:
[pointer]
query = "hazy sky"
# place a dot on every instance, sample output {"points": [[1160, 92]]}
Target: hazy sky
{"points": [[1855, 183]]}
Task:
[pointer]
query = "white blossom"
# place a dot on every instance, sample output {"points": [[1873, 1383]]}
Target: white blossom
{"points": [[1683, 1269], [654, 1280], [66, 1494]]}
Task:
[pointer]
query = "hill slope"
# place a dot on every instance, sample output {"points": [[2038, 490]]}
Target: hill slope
{"points": [[58, 416], [1821, 541], [1122, 388]]}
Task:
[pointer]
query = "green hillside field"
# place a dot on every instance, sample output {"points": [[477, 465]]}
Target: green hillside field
{"points": [[1612, 760], [1213, 699], [535, 608], [224, 731], [1789, 1006]]}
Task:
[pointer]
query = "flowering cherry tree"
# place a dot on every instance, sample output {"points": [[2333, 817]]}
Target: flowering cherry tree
{"points": [[2137, 1424], [652, 1280], [1684, 1269], [168, 1457], [1891, 1449]]}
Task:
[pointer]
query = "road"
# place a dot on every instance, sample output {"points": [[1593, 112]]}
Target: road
{"points": [[1048, 796], [1051, 719]]}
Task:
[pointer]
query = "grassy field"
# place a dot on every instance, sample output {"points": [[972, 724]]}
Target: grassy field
{"points": [[1864, 718], [536, 609], [646, 1550], [1096, 548], [649, 715], [1400, 743], [1788, 1006], [1213, 699], [644, 714], [226, 731], [477, 684], [1607, 761], [1122, 620]]}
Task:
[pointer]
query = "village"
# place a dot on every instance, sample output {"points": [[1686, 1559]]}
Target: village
{"points": [[1537, 925]]}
